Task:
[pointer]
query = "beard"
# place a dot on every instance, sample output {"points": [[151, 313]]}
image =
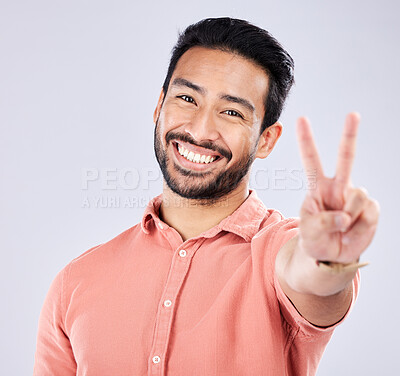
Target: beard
{"points": [[201, 186]]}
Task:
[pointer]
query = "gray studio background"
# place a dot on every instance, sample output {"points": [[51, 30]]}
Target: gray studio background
{"points": [[78, 84]]}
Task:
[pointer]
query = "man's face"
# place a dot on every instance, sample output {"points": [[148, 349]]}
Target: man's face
{"points": [[208, 124]]}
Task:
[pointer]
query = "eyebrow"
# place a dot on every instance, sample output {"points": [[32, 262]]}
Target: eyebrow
{"points": [[227, 97], [190, 85], [238, 100]]}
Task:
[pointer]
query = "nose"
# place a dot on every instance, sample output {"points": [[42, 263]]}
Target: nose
{"points": [[202, 126]]}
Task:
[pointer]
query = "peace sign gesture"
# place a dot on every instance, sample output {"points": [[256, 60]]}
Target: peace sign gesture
{"points": [[337, 221]]}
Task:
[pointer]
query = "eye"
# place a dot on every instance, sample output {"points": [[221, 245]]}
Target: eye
{"points": [[186, 98], [233, 113]]}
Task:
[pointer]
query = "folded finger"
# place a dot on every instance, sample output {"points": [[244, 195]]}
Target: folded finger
{"points": [[355, 202], [364, 228]]}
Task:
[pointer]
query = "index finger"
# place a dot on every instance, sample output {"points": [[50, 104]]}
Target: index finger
{"points": [[308, 150], [347, 148]]}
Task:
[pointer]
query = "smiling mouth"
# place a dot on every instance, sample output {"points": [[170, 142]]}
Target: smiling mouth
{"points": [[195, 157]]}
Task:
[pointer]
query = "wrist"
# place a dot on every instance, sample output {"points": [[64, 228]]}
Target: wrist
{"points": [[307, 275]]}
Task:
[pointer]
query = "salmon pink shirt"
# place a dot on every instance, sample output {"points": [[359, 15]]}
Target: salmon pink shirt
{"points": [[147, 303]]}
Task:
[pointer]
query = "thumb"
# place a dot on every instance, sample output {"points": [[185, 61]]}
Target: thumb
{"points": [[326, 221]]}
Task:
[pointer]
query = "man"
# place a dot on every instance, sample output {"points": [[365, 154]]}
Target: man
{"points": [[211, 282]]}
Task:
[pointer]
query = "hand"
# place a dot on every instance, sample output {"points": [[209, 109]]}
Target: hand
{"points": [[337, 221]]}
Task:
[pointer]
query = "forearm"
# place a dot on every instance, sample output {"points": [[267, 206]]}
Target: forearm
{"points": [[322, 297]]}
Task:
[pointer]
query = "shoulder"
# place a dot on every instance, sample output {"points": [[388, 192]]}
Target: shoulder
{"points": [[275, 230], [109, 248], [100, 260], [276, 226]]}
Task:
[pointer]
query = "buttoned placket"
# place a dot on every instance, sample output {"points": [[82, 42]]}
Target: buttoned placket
{"points": [[183, 254]]}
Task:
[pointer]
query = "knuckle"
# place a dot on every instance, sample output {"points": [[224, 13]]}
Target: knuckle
{"points": [[360, 193], [371, 213], [347, 154], [357, 196], [375, 206]]}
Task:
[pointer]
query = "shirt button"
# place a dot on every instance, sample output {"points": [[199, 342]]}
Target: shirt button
{"points": [[182, 253], [156, 359], [160, 226], [167, 303]]}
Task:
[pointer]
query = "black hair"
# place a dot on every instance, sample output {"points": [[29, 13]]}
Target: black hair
{"points": [[249, 41]]}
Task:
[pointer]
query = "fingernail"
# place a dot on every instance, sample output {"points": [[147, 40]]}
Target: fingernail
{"points": [[341, 223], [338, 221], [345, 240]]}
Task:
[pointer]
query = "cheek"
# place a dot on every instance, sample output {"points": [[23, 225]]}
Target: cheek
{"points": [[165, 124], [175, 116], [239, 142]]}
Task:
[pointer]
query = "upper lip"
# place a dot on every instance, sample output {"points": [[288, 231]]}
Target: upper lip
{"points": [[198, 149]]}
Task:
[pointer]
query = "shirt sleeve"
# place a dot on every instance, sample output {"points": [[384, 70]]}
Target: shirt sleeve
{"points": [[306, 342], [286, 230], [54, 355]]}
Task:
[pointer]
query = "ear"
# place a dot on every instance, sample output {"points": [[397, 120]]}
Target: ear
{"points": [[268, 140], [158, 107]]}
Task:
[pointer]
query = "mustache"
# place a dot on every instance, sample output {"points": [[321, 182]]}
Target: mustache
{"points": [[206, 144]]}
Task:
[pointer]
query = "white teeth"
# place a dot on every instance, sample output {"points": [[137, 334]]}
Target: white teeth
{"points": [[197, 158]]}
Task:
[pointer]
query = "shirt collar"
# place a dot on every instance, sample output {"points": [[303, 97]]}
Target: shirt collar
{"points": [[245, 221], [151, 213]]}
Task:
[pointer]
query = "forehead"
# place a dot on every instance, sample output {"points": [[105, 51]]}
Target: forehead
{"points": [[221, 71]]}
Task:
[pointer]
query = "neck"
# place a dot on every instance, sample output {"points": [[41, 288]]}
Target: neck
{"points": [[192, 217]]}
